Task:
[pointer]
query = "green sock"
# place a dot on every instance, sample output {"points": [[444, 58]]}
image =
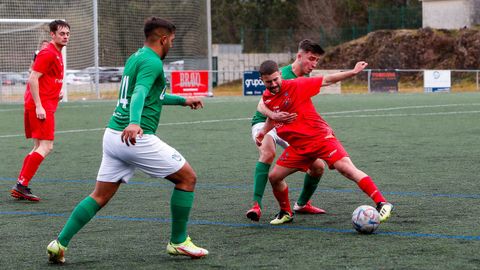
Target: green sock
{"points": [[80, 216], [260, 181], [180, 204], [309, 186]]}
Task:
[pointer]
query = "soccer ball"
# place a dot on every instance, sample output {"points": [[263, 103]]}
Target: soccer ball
{"points": [[365, 219]]}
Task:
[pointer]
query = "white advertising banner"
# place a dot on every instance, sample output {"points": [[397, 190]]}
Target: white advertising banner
{"points": [[437, 81]]}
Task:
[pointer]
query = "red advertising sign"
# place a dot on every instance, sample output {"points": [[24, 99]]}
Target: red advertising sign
{"points": [[189, 82]]}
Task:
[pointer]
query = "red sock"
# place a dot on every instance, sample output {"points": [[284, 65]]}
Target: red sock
{"points": [[283, 201], [30, 168], [368, 186], [25, 160]]}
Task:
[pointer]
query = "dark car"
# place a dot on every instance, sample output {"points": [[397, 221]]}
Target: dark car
{"points": [[105, 74], [11, 78]]}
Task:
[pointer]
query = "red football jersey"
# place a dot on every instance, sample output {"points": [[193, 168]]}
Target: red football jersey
{"points": [[295, 97], [49, 62]]}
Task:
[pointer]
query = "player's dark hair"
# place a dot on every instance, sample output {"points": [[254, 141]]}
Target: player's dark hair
{"points": [[307, 45], [268, 68], [54, 25], [154, 23]]}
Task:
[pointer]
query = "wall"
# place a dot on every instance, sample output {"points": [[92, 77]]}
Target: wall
{"points": [[449, 14]]}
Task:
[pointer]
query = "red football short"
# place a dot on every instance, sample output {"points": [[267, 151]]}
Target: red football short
{"points": [[330, 150], [39, 129]]}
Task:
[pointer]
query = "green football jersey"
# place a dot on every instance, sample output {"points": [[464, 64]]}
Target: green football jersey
{"points": [[143, 74], [287, 73]]}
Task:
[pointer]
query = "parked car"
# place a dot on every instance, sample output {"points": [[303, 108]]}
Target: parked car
{"points": [[25, 76], [106, 74], [78, 78], [11, 78]]}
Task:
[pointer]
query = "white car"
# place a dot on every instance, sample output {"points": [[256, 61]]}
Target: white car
{"points": [[78, 78]]}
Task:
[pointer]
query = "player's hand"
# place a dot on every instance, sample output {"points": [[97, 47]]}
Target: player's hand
{"points": [[60, 96], [359, 67], [259, 138], [130, 133], [194, 103], [283, 117], [41, 114]]}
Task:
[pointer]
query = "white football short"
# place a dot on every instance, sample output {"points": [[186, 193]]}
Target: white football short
{"points": [[273, 133], [149, 154]]}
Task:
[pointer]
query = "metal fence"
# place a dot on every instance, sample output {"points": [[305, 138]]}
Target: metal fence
{"points": [[81, 85]]}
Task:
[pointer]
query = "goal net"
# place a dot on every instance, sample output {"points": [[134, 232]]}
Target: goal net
{"points": [[24, 24], [120, 33]]}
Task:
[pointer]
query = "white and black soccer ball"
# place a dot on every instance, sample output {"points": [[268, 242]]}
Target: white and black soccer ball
{"points": [[365, 219]]}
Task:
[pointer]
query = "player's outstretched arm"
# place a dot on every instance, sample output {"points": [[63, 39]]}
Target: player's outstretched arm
{"points": [[336, 77]]}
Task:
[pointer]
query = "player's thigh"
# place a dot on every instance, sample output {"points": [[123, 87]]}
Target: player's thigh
{"points": [[331, 151], [155, 157], [290, 158], [114, 166], [346, 167], [273, 134], [267, 150], [279, 173], [39, 129]]}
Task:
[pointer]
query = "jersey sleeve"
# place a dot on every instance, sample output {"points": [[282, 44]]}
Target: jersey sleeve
{"points": [[137, 102], [43, 61], [170, 99], [309, 87]]}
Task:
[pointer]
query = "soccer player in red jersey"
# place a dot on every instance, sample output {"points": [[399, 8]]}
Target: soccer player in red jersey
{"points": [[41, 100], [310, 137], [306, 60]]}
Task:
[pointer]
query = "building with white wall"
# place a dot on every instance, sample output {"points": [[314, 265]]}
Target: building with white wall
{"points": [[450, 14]]}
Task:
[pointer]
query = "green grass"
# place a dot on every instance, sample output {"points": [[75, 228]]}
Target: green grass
{"points": [[422, 150]]}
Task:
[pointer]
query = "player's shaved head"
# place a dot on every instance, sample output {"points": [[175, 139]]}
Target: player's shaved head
{"points": [[156, 27]]}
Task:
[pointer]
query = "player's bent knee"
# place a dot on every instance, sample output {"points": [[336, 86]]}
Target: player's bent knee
{"points": [[273, 178], [44, 148], [191, 179], [185, 178], [267, 156]]}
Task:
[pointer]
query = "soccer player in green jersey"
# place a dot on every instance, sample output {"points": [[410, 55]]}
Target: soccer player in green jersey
{"points": [[306, 60], [129, 142]]}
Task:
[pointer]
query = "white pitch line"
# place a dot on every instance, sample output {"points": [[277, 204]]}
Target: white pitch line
{"points": [[401, 108], [206, 121], [402, 114], [164, 124], [324, 113], [20, 108], [331, 115]]}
